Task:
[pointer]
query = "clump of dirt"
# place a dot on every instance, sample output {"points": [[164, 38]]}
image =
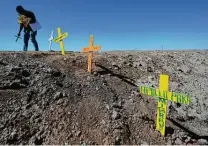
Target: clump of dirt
{"points": [[46, 98]]}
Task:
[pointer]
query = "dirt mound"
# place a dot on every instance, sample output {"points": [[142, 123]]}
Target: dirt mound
{"points": [[49, 99]]}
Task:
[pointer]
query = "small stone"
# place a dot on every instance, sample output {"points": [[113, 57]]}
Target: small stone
{"points": [[60, 111], [188, 139], [65, 103], [135, 64], [70, 136], [150, 69], [169, 142], [103, 122], [129, 64], [144, 143], [152, 126], [178, 141], [158, 72], [60, 127], [104, 84], [173, 136], [1, 126], [78, 133], [119, 105], [48, 70], [88, 78], [60, 101], [56, 73], [131, 100], [64, 95], [97, 88], [193, 140], [13, 133], [150, 78], [15, 55], [107, 106], [115, 115], [120, 65], [116, 68], [58, 95], [2, 62], [42, 92], [95, 73], [16, 85], [129, 56], [38, 141], [182, 134], [120, 59], [184, 69], [202, 142], [15, 69], [142, 63], [124, 62], [114, 63], [118, 140], [25, 73]]}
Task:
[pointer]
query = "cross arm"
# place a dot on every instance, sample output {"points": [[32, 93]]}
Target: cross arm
{"points": [[171, 96]]}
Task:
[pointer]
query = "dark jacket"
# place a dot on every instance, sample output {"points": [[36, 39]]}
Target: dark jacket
{"points": [[30, 15]]}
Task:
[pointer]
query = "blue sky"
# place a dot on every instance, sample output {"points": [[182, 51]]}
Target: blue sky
{"points": [[115, 24]]}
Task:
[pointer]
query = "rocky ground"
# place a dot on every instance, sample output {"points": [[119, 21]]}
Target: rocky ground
{"points": [[48, 99]]}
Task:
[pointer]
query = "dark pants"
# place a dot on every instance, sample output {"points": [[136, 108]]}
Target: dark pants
{"points": [[30, 34]]}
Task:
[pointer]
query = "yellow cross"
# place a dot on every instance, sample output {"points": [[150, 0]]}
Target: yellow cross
{"points": [[90, 50], [23, 20], [162, 94], [60, 39]]}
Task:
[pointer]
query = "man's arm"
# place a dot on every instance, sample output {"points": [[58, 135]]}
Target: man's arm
{"points": [[20, 29]]}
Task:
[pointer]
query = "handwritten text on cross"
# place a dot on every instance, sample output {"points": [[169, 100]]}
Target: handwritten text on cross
{"points": [[162, 94]]}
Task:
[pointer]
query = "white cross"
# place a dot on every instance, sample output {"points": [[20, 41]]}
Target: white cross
{"points": [[50, 40]]}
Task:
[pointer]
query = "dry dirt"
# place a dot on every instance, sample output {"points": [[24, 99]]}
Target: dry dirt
{"points": [[46, 98]]}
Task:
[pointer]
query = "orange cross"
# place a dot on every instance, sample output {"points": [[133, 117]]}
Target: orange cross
{"points": [[90, 50]]}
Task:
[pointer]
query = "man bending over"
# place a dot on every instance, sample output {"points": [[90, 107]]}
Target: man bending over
{"points": [[25, 18]]}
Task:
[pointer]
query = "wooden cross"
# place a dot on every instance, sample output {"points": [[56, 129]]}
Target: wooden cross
{"points": [[90, 50], [60, 39], [163, 95]]}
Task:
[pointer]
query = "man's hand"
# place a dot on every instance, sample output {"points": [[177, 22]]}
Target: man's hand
{"points": [[19, 34]]}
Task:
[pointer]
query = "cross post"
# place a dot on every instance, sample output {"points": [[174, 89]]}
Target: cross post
{"points": [[162, 105]]}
